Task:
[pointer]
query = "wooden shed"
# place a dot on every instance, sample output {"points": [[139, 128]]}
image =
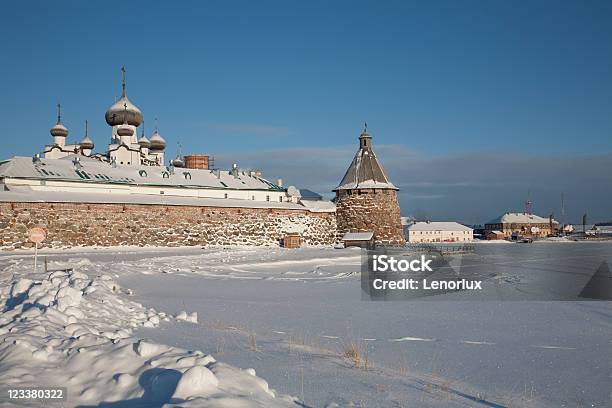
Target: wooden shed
{"points": [[359, 239], [494, 235], [292, 240]]}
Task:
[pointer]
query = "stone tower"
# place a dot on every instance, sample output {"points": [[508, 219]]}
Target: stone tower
{"points": [[366, 200]]}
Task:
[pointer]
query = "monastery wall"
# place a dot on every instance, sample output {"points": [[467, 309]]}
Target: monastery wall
{"points": [[81, 224]]}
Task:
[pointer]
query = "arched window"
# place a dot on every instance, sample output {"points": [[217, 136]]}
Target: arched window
{"points": [[187, 175], [165, 174], [142, 173]]}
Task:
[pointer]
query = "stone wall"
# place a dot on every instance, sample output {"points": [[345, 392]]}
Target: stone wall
{"points": [[370, 210], [80, 224]]}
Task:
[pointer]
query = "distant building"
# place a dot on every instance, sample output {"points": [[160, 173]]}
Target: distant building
{"points": [[524, 224], [494, 235], [406, 223], [426, 231], [588, 230], [479, 232]]}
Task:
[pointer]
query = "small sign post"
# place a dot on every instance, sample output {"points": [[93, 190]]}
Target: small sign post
{"points": [[36, 235]]}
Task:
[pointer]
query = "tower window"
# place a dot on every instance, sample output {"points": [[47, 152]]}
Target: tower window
{"points": [[267, 198]]}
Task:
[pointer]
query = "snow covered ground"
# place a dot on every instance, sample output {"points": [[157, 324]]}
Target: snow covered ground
{"points": [[67, 329], [297, 318]]}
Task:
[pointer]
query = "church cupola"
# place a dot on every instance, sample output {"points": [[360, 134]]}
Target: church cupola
{"points": [[86, 143], [125, 131], [123, 111], [59, 131], [365, 139], [158, 143], [143, 142]]}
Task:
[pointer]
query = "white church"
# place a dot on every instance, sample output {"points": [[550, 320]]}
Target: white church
{"points": [[133, 169], [125, 147]]}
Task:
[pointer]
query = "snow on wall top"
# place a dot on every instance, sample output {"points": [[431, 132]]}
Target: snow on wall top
{"points": [[319, 206], [358, 236], [438, 226], [26, 194]]}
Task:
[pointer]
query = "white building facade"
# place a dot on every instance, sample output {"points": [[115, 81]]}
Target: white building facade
{"points": [[435, 231]]}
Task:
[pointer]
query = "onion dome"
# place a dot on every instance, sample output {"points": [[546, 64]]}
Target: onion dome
{"points": [[157, 141], [178, 161], [117, 114], [59, 129], [143, 141], [86, 142], [125, 129]]}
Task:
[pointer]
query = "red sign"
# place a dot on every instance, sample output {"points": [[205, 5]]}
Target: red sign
{"points": [[37, 235]]}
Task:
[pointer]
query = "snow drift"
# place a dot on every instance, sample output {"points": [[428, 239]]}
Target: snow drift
{"points": [[64, 328]]}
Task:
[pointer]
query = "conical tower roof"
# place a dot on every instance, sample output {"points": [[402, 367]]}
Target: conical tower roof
{"points": [[365, 171]]}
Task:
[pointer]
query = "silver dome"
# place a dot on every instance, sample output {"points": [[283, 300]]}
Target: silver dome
{"points": [[157, 141], [177, 162], [59, 129], [123, 111], [125, 130], [86, 142], [144, 142], [117, 114]]}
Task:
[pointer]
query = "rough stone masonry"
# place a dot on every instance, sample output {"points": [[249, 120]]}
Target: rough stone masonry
{"points": [[370, 210], [82, 224]]}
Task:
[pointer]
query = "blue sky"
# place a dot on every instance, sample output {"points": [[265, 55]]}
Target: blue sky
{"points": [[444, 82]]}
